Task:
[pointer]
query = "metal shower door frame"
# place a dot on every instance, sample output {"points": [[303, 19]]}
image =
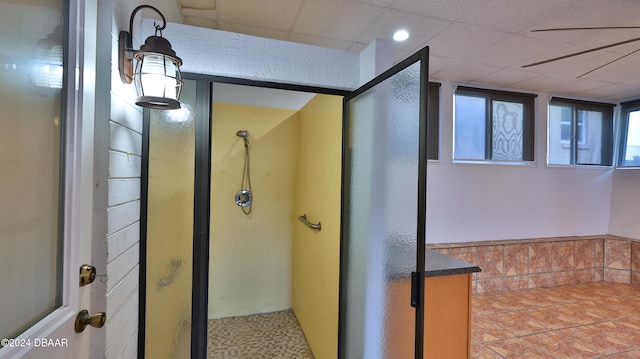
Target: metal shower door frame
{"points": [[417, 280]]}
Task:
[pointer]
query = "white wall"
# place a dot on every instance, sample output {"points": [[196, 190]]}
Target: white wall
{"points": [[117, 171], [214, 52], [625, 204], [480, 201]]}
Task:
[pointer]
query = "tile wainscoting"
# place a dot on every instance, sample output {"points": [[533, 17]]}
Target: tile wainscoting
{"points": [[548, 262]]}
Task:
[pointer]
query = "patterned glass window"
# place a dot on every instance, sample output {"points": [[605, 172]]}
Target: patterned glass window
{"points": [[493, 125]]}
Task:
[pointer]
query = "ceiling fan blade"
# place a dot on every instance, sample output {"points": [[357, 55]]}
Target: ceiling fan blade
{"points": [[587, 28], [610, 62], [582, 52]]}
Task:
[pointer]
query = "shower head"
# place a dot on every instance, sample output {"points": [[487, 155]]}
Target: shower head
{"points": [[243, 133]]}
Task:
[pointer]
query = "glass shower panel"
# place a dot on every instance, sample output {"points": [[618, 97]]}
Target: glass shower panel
{"points": [[381, 216], [170, 229]]}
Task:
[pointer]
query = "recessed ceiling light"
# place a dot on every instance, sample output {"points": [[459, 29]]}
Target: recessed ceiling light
{"points": [[400, 35]]}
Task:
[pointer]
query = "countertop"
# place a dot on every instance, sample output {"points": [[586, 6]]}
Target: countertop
{"points": [[400, 262], [438, 264]]}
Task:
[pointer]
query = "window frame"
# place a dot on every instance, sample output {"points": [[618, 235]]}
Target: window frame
{"points": [[607, 138], [626, 109], [528, 121], [433, 121]]}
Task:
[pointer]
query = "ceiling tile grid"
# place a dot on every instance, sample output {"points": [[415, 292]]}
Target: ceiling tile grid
{"points": [[483, 41]]}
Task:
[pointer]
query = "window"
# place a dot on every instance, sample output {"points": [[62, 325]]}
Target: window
{"points": [[493, 125], [580, 132], [32, 123], [433, 121], [630, 135]]}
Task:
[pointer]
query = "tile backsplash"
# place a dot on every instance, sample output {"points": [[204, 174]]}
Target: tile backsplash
{"points": [[548, 262]]}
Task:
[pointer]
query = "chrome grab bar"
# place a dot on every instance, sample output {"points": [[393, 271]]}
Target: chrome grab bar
{"points": [[304, 220]]}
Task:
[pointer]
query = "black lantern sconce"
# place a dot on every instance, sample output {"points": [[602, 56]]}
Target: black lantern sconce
{"points": [[157, 72]]}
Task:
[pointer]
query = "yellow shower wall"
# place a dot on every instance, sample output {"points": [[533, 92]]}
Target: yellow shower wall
{"points": [[316, 255], [251, 257]]}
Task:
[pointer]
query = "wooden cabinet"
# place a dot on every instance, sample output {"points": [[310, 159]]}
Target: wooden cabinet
{"points": [[447, 328]]}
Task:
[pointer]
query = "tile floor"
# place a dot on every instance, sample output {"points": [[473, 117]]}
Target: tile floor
{"points": [[590, 320], [260, 336]]}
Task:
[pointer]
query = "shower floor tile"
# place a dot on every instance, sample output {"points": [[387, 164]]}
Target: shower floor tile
{"points": [[591, 320], [270, 336]]}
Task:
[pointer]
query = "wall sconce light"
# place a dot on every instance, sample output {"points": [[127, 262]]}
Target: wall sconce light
{"points": [[157, 73]]}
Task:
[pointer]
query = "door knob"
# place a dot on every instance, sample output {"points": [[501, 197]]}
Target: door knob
{"points": [[83, 319]]}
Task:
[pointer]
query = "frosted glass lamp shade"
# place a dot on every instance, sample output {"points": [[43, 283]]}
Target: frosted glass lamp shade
{"points": [[157, 76]]}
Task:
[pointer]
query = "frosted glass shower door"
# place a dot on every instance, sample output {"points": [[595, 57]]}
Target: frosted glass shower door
{"points": [[170, 222], [383, 210]]}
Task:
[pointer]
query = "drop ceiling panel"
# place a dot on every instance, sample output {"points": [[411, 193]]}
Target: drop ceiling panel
{"points": [[383, 3], [542, 83], [210, 14], [462, 40], [201, 22], [512, 16], [420, 28], [444, 9], [484, 41], [198, 4], [507, 77], [578, 85], [342, 20], [516, 50], [320, 41], [465, 71], [599, 63], [276, 14], [611, 92], [437, 63], [623, 75], [583, 13]]}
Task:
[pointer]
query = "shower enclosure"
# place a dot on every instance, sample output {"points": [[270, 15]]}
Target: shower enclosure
{"points": [[259, 264], [381, 230]]}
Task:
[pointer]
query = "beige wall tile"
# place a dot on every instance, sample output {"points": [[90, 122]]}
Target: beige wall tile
{"points": [[585, 275], [635, 256], [540, 256], [490, 260], [467, 254], [585, 254], [489, 285], [542, 280], [617, 275], [563, 255], [564, 278], [516, 259], [617, 254], [518, 282]]}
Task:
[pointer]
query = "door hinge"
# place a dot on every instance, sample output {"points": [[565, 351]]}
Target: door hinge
{"points": [[415, 288]]}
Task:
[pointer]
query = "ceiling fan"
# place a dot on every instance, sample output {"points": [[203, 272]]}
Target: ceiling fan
{"points": [[589, 50]]}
